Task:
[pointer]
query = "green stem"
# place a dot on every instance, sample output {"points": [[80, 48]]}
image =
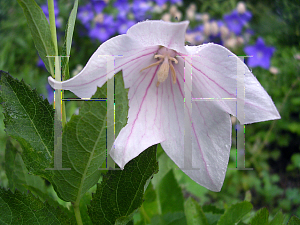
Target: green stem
{"points": [[54, 39], [52, 24], [77, 214]]}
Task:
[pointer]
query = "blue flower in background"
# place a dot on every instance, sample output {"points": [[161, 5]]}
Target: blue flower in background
{"points": [[104, 30], [160, 2], [140, 9], [123, 24], [261, 53], [50, 93], [98, 5], [85, 14], [236, 21], [122, 5]]}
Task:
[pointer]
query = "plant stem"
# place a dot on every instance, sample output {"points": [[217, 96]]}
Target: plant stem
{"points": [[52, 24], [54, 40], [77, 214]]}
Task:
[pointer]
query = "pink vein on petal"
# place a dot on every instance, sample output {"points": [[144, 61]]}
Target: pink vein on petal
{"points": [[124, 150]]}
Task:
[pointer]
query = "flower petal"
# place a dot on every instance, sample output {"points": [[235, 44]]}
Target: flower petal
{"points": [[158, 32], [146, 108], [94, 74], [210, 133], [215, 75]]}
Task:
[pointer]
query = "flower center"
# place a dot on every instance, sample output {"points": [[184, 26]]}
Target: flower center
{"points": [[165, 57]]}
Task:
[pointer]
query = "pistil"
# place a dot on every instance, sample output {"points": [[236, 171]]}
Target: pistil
{"points": [[165, 57]]}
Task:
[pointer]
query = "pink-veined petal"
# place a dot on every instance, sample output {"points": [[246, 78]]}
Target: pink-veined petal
{"points": [[215, 75], [146, 110], [94, 74], [158, 32], [211, 134]]}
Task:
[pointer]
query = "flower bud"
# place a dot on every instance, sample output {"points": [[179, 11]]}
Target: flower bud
{"points": [[206, 28], [205, 17], [274, 70], [224, 32], [241, 8], [166, 17], [230, 42], [178, 15], [190, 14], [99, 18], [240, 40], [214, 28], [173, 10]]}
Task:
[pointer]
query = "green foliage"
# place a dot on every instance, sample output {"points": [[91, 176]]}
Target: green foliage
{"points": [[170, 195], [235, 213], [68, 42], [28, 119], [24, 209], [261, 217], [120, 193], [40, 31], [17, 173], [194, 213]]}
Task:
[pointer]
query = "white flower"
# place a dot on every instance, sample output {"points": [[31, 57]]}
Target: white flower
{"points": [[155, 78]]}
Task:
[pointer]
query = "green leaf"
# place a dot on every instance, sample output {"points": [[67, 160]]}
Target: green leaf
{"points": [[17, 173], [235, 213], [261, 217], [170, 194], [294, 221], [84, 143], [213, 209], [121, 103], [40, 31], [120, 194], [84, 150], [194, 213], [68, 42], [278, 219], [29, 120], [24, 209], [177, 218]]}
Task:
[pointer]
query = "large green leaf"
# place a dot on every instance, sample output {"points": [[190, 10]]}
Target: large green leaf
{"points": [[194, 213], [40, 31], [29, 120], [84, 145], [235, 213], [83, 150], [26, 209], [278, 219], [68, 41], [170, 194], [121, 192], [17, 173], [261, 217], [177, 218], [294, 221]]}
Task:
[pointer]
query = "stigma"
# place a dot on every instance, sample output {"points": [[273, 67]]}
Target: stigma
{"points": [[165, 58]]}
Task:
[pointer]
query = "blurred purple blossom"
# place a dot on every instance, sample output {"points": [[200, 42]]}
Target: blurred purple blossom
{"points": [[98, 5], [140, 8], [103, 30], [261, 53], [85, 14], [236, 21], [50, 93], [122, 5]]}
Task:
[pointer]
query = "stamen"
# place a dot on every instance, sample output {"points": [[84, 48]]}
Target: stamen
{"points": [[173, 73], [153, 64], [166, 57]]}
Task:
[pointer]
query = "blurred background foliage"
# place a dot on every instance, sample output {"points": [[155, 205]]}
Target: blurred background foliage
{"points": [[272, 147]]}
